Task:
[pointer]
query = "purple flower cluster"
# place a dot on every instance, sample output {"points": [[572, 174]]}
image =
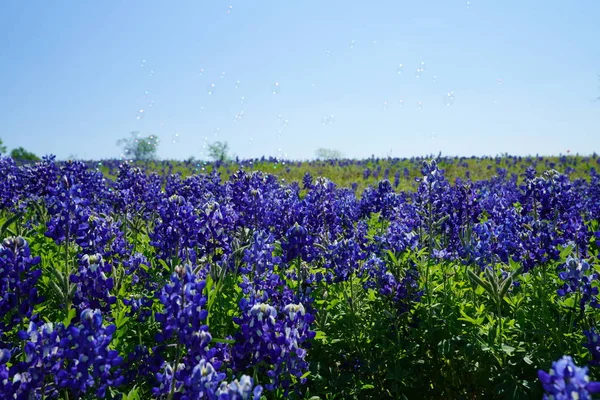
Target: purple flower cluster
{"points": [[298, 244], [278, 243], [567, 381], [593, 346], [192, 370], [76, 358], [9, 184], [94, 283], [275, 339], [19, 275], [579, 278]]}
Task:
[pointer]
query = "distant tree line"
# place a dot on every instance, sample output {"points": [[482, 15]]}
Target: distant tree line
{"points": [[328, 154], [19, 153]]}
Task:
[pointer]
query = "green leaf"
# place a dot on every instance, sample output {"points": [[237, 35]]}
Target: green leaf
{"points": [[218, 340], [392, 257], [70, 315], [493, 281], [508, 349], [566, 251], [505, 286], [8, 223], [474, 321], [164, 264], [122, 318], [475, 278], [132, 395], [320, 335]]}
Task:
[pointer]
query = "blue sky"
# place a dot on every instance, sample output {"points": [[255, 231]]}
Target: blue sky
{"points": [[74, 76]]}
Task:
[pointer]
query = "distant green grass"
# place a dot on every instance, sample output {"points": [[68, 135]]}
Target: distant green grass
{"points": [[346, 172]]}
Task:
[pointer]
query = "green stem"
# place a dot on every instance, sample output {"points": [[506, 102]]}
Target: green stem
{"points": [[66, 289], [575, 306], [299, 267], [177, 352]]}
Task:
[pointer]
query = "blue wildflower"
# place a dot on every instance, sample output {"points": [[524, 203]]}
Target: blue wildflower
{"points": [[567, 381]]}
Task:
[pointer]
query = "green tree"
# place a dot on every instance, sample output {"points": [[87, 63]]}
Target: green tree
{"points": [[139, 148], [2, 148], [23, 155], [218, 151], [328, 154]]}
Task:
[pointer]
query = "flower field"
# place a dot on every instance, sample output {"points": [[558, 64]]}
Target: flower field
{"points": [[384, 278]]}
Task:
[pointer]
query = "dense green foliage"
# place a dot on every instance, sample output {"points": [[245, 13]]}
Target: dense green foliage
{"points": [[218, 151], [346, 172], [437, 288], [23, 155], [139, 148]]}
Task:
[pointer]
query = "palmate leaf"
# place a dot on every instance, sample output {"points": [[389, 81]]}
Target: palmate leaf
{"points": [[505, 286], [493, 281], [475, 278], [474, 321], [6, 225], [70, 315], [497, 290]]}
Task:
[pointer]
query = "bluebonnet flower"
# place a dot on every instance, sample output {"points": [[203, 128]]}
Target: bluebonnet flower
{"points": [[258, 258], [256, 326], [567, 381], [203, 381], [94, 283], [11, 186], [6, 385], [297, 244], [217, 222], [593, 345], [243, 389], [401, 286], [136, 194], [433, 203], [400, 236], [102, 235], [343, 258], [382, 200], [307, 180], [89, 363], [366, 173], [70, 211], [553, 211], [75, 358], [274, 339], [176, 231], [44, 356], [18, 278], [133, 267], [39, 180], [143, 287], [92, 182], [197, 189], [260, 202], [293, 342], [182, 322], [579, 277], [591, 193]]}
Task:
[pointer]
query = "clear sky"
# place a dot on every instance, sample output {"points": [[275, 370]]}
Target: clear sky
{"points": [[510, 76]]}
